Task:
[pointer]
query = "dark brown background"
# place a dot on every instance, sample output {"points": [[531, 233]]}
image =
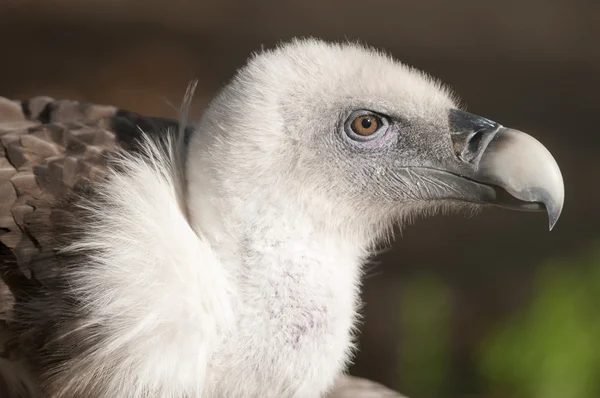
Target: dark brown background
{"points": [[533, 65]]}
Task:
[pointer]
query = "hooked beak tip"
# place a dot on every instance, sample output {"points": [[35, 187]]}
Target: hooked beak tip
{"points": [[522, 166]]}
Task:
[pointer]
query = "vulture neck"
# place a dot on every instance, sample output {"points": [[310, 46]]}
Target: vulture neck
{"points": [[265, 235], [293, 287], [235, 223]]}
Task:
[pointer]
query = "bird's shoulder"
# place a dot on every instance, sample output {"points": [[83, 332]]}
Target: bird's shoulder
{"points": [[51, 151], [53, 154], [92, 227]]}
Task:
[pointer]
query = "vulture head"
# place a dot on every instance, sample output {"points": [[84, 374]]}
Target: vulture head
{"points": [[358, 141]]}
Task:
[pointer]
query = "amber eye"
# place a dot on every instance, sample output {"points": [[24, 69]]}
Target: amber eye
{"points": [[366, 125]]}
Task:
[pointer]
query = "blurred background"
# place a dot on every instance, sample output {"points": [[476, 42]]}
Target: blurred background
{"points": [[493, 306]]}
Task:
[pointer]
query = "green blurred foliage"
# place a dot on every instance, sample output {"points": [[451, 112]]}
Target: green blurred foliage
{"points": [[424, 356], [548, 349], [551, 349]]}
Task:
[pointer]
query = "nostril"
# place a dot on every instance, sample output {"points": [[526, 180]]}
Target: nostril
{"points": [[475, 142], [470, 135], [472, 146]]}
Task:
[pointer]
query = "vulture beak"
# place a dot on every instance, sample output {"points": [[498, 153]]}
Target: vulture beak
{"points": [[520, 171]]}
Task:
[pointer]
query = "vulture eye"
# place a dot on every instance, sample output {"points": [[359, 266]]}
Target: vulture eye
{"points": [[365, 125]]}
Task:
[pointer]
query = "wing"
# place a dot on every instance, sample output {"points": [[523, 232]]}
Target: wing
{"points": [[94, 310], [49, 151], [48, 148]]}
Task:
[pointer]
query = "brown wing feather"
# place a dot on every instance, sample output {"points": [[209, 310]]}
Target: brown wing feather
{"points": [[49, 149], [51, 152]]}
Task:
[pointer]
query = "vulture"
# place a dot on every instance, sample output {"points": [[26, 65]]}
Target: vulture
{"points": [[147, 257]]}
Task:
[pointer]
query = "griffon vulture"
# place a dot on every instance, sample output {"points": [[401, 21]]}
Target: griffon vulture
{"points": [[145, 257]]}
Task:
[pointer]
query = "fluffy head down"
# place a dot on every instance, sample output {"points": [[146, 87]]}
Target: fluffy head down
{"points": [[281, 129]]}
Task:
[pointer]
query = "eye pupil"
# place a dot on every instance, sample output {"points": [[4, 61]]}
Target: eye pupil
{"points": [[366, 123]]}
